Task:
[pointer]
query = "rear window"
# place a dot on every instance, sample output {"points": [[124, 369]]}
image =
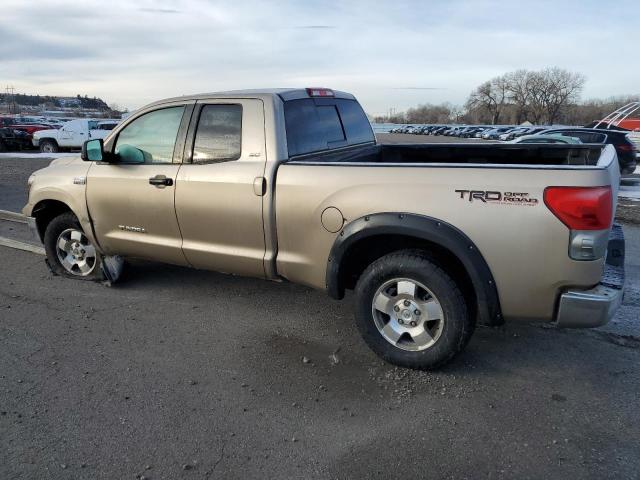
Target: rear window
{"points": [[586, 137], [318, 124]]}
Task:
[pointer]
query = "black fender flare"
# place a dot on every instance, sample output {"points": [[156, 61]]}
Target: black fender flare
{"points": [[426, 228]]}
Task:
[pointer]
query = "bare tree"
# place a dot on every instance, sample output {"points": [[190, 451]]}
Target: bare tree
{"points": [[563, 88], [491, 97], [519, 85]]}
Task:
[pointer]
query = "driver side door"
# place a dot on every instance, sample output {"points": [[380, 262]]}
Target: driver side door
{"points": [[131, 200]]}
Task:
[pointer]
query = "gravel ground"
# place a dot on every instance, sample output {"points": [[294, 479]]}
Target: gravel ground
{"points": [[178, 373], [14, 173]]}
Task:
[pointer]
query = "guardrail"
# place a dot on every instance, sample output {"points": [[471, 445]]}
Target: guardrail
{"points": [[12, 216]]}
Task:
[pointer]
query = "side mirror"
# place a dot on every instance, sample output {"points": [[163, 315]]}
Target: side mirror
{"points": [[130, 154], [92, 150]]}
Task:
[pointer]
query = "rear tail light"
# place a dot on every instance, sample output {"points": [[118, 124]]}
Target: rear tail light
{"points": [[626, 147], [581, 208], [320, 92]]}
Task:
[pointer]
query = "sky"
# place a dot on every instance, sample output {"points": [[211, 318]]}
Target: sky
{"points": [[390, 54]]}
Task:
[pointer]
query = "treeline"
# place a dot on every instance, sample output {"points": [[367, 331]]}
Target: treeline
{"points": [[544, 97], [52, 101]]}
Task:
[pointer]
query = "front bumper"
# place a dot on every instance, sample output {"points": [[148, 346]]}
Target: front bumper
{"points": [[35, 142], [595, 307]]}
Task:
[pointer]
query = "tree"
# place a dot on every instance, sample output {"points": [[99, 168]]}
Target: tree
{"points": [[542, 96], [491, 97], [563, 89], [519, 84]]}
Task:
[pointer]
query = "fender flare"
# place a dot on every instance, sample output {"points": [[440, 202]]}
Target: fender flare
{"points": [[425, 228]]}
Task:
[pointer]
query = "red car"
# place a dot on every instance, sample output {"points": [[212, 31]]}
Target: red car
{"points": [[10, 122]]}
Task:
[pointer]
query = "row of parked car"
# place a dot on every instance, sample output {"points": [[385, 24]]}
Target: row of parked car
{"points": [[620, 138], [19, 133]]}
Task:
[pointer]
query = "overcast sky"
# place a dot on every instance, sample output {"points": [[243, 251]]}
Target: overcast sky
{"points": [[390, 54]]}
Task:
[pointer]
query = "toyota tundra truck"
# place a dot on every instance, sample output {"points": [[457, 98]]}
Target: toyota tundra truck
{"points": [[291, 185]]}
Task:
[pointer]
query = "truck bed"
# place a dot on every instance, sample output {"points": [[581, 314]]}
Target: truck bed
{"points": [[487, 153]]}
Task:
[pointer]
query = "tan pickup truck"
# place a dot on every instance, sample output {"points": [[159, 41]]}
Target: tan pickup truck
{"points": [[291, 185]]}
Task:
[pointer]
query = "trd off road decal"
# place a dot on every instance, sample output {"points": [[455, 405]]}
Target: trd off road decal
{"points": [[505, 198]]}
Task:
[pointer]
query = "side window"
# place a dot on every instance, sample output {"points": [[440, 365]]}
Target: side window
{"points": [[219, 134], [151, 137], [93, 125]]}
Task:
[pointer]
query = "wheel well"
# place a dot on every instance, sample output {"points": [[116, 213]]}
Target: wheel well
{"points": [[47, 210], [48, 139], [367, 250]]}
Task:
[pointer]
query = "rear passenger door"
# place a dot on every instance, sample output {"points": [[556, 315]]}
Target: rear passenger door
{"points": [[219, 188]]}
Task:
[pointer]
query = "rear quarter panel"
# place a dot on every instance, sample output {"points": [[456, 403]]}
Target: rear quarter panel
{"points": [[525, 245]]}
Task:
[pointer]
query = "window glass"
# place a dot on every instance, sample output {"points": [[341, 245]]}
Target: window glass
{"points": [[330, 123], [355, 121], [93, 125], [219, 134], [315, 125], [154, 134]]}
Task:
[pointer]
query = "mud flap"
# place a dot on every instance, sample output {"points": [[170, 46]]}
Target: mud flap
{"points": [[112, 267]]}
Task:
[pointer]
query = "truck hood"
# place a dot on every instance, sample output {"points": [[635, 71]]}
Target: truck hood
{"points": [[45, 133], [65, 161]]}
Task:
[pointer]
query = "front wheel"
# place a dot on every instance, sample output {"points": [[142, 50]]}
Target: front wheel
{"points": [[411, 312], [69, 251], [48, 146]]}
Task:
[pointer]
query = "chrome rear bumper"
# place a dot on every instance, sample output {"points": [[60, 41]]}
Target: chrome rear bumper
{"points": [[595, 307]]}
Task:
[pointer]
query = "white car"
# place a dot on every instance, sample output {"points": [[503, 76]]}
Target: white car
{"points": [[72, 134]]}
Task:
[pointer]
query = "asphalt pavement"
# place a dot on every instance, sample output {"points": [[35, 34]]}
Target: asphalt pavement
{"points": [[178, 373]]}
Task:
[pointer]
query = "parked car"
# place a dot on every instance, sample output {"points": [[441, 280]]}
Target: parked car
{"points": [[72, 134], [493, 133], [625, 148], [547, 139], [513, 133], [12, 140], [291, 185], [28, 128]]}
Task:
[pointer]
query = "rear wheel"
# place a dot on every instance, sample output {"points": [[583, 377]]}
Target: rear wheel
{"points": [[69, 251], [410, 312], [48, 146]]}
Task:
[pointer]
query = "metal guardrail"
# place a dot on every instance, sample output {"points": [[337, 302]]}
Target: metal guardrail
{"points": [[12, 216], [18, 245]]}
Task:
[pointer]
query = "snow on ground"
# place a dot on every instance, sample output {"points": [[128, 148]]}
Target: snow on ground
{"points": [[630, 191], [38, 155]]}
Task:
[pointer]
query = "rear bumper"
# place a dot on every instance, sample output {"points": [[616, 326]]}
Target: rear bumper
{"points": [[596, 306]]}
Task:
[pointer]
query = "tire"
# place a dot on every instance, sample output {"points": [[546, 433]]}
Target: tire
{"points": [[49, 146], [3, 147], [423, 327], [69, 251]]}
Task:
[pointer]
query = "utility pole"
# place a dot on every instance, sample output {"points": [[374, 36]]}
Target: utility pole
{"points": [[9, 99]]}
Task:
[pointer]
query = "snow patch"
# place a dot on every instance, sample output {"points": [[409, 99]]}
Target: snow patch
{"points": [[37, 155]]}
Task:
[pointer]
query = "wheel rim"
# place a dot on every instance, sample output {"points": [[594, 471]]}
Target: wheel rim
{"points": [[75, 253], [407, 314], [47, 147]]}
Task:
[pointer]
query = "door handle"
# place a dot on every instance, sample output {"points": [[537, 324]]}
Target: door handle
{"points": [[160, 181]]}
